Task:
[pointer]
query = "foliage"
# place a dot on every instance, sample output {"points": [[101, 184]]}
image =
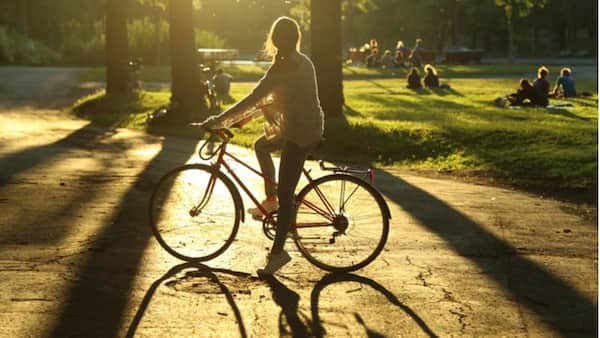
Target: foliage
{"points": [[75, 29], [16, 48], [207, 39], [520, 8]]}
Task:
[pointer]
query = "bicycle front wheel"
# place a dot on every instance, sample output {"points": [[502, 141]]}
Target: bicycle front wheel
{"points": [[195, 212], [342, 223]]}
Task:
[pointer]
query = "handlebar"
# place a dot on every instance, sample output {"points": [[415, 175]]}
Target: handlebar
{"points": [[223, 133]]}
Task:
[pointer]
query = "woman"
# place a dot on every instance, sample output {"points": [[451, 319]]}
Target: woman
{"points": [[542, 85], [431, 79], [526, 96], [294, 117], [413, 79]]}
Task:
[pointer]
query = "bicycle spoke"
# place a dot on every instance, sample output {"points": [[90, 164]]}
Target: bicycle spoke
{"points": [[350, 196], [356, 234], [193, 213], [342, 188]]}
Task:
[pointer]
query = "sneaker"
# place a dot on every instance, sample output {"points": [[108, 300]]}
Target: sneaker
{"points": [[274, 263], [268, 205]]}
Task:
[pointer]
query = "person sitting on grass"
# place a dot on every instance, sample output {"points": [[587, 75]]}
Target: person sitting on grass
{"points": [[414, 79], [542, 85], [526, 96], [387, 60], [566, 82], [373, 59], [431, 79]]}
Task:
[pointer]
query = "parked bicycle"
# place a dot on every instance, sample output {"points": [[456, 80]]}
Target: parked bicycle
{"points": [[341, 220], [133, 68]]}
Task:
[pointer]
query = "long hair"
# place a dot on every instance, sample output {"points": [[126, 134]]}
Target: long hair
{"points": [[429, 68], [565, 71], [283, 38]]}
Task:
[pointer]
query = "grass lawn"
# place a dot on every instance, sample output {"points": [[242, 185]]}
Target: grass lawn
{"points": [[457, 130]]}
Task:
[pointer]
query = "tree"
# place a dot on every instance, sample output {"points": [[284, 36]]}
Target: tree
{"points": [[512, 9], [155, 9], [117, 54], [186, 85], [326, 46]]}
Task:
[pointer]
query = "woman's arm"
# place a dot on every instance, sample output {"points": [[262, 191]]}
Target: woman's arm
{"points": [[266, 84]]}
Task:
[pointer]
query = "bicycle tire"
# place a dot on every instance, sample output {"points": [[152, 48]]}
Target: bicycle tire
{"points": [[195, 237], [312, 241]]}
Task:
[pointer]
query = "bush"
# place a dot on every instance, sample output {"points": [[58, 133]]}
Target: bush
{"points": [[16, 48]]}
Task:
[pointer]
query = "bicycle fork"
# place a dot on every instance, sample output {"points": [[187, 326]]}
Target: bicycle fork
{"points": [[197, 209]]}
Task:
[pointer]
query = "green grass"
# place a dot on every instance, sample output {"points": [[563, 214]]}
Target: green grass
{"points": [[457, 130], [254, 72]]}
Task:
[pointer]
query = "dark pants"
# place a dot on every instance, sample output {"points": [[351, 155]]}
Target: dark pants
{"points": [[263, 148], [290, 168]]}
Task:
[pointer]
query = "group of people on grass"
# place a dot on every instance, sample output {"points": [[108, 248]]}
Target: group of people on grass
{"points": [[402, 56], [430, 80], [538, 93]]}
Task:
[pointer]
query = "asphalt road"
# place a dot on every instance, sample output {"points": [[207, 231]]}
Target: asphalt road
{"points": [[77, 257]]}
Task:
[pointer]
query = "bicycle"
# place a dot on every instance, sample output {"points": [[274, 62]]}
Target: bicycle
{"points": [[341, 221]]}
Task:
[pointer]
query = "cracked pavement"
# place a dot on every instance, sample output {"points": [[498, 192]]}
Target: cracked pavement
{"points": [[77, 257]]}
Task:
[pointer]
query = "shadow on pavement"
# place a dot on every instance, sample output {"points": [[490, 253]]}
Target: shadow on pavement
{"points": [[558, 304], [85, 137], [53, 220], [96, 301], [288, 300], [201, 269], [328, 280]]}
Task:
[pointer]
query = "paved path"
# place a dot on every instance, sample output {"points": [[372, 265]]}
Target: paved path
{"points": [[78, 259]]}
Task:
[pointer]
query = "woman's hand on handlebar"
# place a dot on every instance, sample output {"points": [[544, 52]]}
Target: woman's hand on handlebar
{"points": [[207, 124]]}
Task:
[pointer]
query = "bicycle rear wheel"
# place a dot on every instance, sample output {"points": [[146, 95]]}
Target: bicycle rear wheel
{"points": [[195, 212], [342, 223]]}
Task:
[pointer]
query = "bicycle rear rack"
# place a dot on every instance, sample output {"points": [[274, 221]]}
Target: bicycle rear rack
{"points": [[345, 169]]}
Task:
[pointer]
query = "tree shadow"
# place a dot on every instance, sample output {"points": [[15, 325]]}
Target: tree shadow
{"points": [[202, 270], [53, 215], [446, 91], [566, 113], [96, 301], [503, 162], [327, 280], [564, 308], [18, 162]]}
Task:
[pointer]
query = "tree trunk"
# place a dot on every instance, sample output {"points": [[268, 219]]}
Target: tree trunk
{"points": [[157, 45], [511, 42], [117, 54], [326, 47], [22, 17], [186, 85]]}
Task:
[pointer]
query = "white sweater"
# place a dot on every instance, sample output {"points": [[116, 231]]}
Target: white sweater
{"points": [[287, 96]]}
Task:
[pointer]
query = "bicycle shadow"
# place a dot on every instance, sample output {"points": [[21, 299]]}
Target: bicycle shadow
{"points": [[317, 326], [201, 270]]}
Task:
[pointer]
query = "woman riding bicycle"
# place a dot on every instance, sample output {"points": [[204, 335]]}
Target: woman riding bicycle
{"points": [[293, 123]]}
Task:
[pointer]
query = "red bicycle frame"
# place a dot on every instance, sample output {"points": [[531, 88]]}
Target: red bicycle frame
{"points": [[328, 214]]}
